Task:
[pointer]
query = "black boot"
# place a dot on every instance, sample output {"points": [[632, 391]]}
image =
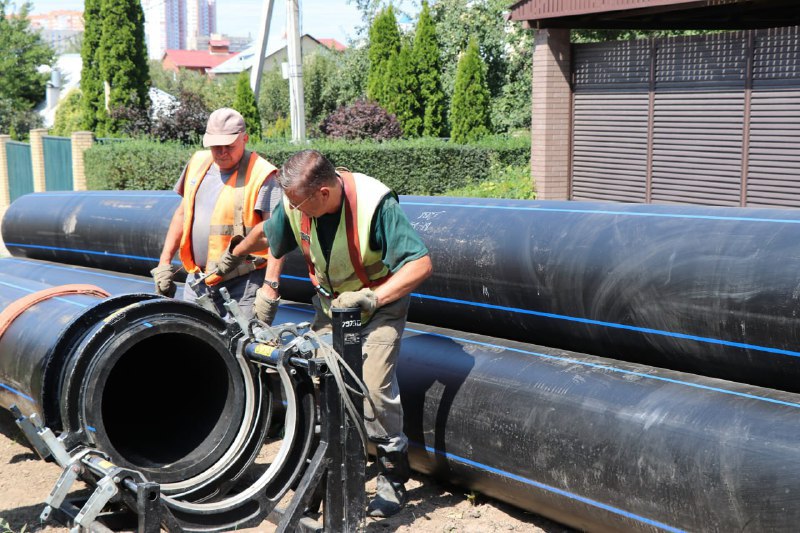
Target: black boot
{"points": [[390, 496]]}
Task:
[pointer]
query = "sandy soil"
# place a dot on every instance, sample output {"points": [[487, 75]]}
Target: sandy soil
{"points": [[25, 482]]}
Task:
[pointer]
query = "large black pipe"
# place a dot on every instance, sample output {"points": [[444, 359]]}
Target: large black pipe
{"points": [[151, 382], [711, 291], [597, 444]]}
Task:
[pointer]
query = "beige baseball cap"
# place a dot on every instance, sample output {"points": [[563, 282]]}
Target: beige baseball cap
{"points": [[224, 126]]}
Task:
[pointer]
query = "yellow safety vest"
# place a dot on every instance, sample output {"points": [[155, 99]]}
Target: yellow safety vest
{"points": [[353, 264]]}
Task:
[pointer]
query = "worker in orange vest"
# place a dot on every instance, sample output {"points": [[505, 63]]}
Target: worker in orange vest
{"points": [[227, 193]]}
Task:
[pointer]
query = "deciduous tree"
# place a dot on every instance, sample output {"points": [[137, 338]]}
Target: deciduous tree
{"points": [[22, 86]]}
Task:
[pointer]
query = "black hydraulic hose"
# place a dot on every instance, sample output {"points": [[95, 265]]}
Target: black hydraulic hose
{"points": [[594, 443], [706, 290], [151, 382]]}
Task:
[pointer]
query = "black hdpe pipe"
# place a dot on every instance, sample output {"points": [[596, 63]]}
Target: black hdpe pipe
{"points": [[593, 443], [151, 382], [706, 290]]}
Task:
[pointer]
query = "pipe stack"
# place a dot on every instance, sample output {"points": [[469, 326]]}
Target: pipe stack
{"points": [[680, 414]]}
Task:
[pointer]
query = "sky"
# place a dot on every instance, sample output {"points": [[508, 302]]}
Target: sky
{"points": [[319, 18]]}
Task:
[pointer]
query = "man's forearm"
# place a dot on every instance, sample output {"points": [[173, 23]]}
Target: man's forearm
{"points": [[254, 242], [405, 280], [273, 273], [173, 239]]}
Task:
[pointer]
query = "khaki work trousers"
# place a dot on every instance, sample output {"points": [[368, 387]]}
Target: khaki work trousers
{"points": [[381, 338]]}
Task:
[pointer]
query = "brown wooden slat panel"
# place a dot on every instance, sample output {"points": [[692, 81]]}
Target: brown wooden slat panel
{"points": [[699, 111]]}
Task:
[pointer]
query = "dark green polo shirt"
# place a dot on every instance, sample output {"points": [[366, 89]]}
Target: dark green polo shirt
{"points": [[390, 232]]}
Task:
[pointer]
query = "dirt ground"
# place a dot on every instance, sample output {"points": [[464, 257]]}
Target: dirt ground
{"points": [[26, 481]]}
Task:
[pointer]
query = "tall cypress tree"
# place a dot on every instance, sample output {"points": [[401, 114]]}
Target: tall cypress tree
{"points": [[428, 70], [384, 43], [245, 103], [471, 106], [402, 92], [91, 80], [123, 57]]}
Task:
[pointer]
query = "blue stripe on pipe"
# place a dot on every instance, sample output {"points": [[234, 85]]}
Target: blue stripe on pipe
{"points": [[708, 340], [92, 429], [15, 391], [586, 363], [528, 352], [31, 291], [604, 212], [79, 251], [76, 269], [548, 488], [610, 368]]}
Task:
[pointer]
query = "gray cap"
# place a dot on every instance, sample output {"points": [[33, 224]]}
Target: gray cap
{"points": [[224, 126]]}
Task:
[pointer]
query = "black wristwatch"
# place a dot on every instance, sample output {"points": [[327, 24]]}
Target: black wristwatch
{"points": [[273, 284]]}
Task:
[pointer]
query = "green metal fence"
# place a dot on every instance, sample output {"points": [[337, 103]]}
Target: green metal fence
{"points": [[20, 169], [57, 163]]}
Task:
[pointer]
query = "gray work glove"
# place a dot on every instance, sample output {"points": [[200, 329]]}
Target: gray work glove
{"points": [[162, 275], [265, 307], [228, 262], [366, 299]]}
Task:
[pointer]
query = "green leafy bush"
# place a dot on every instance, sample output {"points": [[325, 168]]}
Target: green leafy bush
{"points": [[419, 166]]}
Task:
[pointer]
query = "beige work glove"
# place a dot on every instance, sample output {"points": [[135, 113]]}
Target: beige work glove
{"points": [[228, 262], [266, 308], [366, 299], [163, 276]]}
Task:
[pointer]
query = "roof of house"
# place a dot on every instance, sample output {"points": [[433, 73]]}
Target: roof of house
{"points": [[333, 44], [244, 60], [196, 58], [656, 14]]}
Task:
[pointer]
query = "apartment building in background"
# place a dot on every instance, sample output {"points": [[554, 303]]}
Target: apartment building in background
{"points": [[62, 29], [177, 24]]}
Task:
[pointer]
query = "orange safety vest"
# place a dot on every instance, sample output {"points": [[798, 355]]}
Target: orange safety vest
{"points": [[234, 213]]}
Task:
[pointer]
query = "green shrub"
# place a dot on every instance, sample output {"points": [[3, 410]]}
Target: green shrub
{"points": [[511, 182], [419, 166], [135, 165]]}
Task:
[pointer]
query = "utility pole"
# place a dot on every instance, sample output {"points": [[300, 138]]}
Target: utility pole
{"points": [[296, 103], [261, 47]]}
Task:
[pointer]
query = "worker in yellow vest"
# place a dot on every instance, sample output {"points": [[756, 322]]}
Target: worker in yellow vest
{"points": [[227, 193], [361, 251]]}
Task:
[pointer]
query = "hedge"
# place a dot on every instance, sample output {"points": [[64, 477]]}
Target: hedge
{"points": [[420, 166]]}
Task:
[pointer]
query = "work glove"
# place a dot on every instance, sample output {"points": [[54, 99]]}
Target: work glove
{"points": [[226, 264], [162, 275], [265, 307], [366, 299]]}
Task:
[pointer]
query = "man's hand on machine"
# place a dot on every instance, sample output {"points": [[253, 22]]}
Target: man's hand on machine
{"points": [[227, 263], [265, 307], [366, 299]]}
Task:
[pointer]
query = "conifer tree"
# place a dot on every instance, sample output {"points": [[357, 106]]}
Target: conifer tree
{"points": [[471, 105], [384, 43], [402, 92], [91, 79], [428, 70], [123, 57], [245, 103]]}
